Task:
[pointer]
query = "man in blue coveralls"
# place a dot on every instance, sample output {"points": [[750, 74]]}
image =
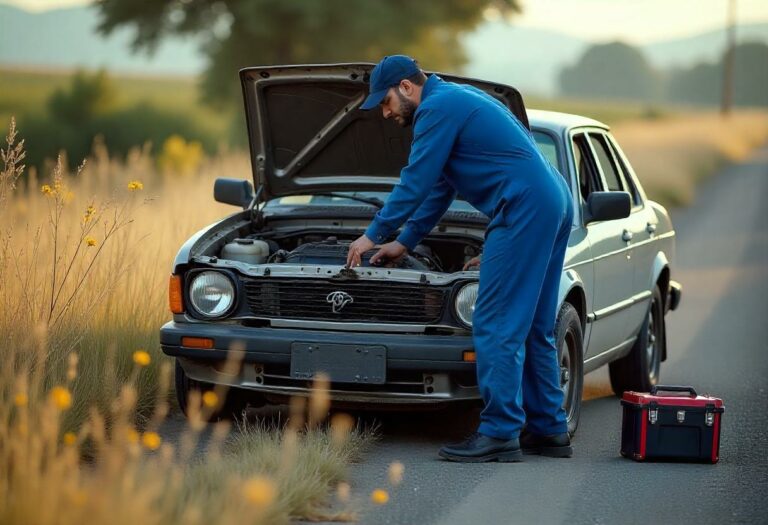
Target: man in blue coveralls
{"points": [[467, 142]]}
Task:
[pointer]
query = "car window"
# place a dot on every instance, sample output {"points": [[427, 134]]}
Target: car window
{"points": [[605, 159], [626, 177], [548, 147], [585, 167]]}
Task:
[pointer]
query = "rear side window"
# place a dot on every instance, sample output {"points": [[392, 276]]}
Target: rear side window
{"points": [[585, 167], [605, 159], [629, 184]]}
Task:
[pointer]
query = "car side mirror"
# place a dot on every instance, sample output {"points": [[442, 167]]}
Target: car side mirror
{"points": [[607, 206], [237, 192]]}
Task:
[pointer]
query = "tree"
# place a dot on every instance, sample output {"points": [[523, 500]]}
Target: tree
{"points": [[614, 70], [701, 83], [88, 96], [240, 33]]}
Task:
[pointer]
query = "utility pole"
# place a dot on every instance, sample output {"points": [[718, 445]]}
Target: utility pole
{"points": [[730, 47]]}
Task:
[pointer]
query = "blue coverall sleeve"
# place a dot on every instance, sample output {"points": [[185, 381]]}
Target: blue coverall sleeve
{"points": [[434, 133], [430, 211]]}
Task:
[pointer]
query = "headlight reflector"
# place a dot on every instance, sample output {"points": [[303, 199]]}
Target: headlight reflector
{"points": [[465, 302], [211, 293]]}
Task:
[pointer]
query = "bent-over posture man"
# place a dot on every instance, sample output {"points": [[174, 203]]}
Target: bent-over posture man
{"points": [[466, 141]]}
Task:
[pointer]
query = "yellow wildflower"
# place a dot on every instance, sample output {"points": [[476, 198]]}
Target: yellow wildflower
{"points": [[21, 399], [151, 440], [79, 497], [46, 189], [131, 435], [135, 185], [90, 211], [342, 492], [396, 470], [379, 496], [90, 241], [142, 357], [210, 399], [259, 491], [69, 438], [61, 397]]}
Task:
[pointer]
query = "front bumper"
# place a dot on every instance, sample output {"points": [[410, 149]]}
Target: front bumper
{"points": [[420, 369]]}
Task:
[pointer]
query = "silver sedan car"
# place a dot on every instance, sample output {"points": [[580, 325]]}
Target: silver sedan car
{"points": [[268, 283]]}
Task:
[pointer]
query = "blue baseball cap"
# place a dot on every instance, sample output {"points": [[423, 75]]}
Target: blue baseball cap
{"points": [[387, 73]]}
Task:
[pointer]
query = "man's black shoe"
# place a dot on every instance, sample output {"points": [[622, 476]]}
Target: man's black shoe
{"points": [[479, 449], [554, 446]]}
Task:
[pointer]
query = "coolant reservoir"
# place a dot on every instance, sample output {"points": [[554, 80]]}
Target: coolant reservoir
{"points": [[251, 251]]}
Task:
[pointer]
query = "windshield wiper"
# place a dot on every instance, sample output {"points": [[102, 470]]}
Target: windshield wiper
{"points": [[373, 201]]}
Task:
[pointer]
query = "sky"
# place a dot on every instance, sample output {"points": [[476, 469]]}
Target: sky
{"points": [[637, 21]]}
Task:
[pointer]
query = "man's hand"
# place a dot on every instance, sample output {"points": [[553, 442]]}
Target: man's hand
{"points": [[474, 261], [358, 248], [391, 251]]}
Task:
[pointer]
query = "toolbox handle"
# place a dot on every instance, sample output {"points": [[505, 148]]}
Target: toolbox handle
{"points": [[673, 388]]}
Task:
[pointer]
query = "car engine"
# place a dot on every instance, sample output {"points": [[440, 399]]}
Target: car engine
{"points": [[332, 251]]}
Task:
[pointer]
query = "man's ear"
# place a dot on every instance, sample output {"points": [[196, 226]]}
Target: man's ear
{"points": [[406, 87]]}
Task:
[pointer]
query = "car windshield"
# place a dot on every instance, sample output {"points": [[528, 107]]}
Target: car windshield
{"points": [[545, 143]]}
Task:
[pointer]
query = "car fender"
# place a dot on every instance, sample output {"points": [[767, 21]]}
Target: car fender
{"points": [[215, 233], [660, 264], [570, 281]]}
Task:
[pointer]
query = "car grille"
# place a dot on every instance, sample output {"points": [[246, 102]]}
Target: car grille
{"points": [[372, 301]]}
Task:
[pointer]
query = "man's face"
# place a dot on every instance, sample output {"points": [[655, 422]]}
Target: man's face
{"points": [[396, 105]]}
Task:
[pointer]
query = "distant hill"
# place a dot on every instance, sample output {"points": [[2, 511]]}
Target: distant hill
{"points": [[707, 46], [528, 58], [531, 58], [67, 38]]}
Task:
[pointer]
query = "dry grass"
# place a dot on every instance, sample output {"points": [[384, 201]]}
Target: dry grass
{"points": [[84, 262], [672, 155]]}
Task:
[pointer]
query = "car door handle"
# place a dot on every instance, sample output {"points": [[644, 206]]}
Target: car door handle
{"points": [[626, 236], [650, 228]]}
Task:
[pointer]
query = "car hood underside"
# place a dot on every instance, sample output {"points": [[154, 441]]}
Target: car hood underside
{"points": [[307, 133]]}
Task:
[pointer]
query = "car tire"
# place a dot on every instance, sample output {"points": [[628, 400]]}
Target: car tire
{"points": [[570, 356], [232, 408], [639, 370]]}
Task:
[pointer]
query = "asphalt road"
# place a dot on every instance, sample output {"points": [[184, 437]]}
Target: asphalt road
{"points": [[717, 342]]}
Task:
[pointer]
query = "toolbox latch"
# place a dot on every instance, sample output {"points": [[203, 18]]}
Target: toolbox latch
{"points": [[653, 413], [709, 415]]}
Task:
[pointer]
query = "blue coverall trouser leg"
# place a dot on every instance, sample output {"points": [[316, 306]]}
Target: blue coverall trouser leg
{"points": [[513, 323]]}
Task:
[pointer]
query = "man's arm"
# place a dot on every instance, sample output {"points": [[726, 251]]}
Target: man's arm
{"points": [[434, 133], [425, 218]]}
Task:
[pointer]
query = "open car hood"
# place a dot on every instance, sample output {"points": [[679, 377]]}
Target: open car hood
{"points": [[307, 133]]}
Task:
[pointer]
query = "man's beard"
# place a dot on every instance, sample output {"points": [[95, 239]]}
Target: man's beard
{"points": [[407, 108]]}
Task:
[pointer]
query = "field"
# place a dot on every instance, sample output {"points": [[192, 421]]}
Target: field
{"points": [[84, 264]]}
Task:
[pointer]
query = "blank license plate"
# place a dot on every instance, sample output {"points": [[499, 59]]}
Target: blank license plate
{"points": [[342, 363]]}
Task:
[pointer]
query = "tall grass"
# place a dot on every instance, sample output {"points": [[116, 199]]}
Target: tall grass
{"points": [[672, 155], [84, 260]]}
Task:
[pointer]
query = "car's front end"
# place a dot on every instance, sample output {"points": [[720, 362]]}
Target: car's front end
{"points": [[399, 333]]}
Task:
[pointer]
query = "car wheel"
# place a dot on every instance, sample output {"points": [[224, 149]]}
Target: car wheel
{"points": [[570, 354], [233, 406], [639, 370]]}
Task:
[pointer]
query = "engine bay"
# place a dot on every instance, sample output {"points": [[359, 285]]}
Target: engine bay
{"points": [[445, 255]]}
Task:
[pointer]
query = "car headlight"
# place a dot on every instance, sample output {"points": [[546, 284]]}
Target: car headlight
{"points": [[212, 293], [465, 302]]}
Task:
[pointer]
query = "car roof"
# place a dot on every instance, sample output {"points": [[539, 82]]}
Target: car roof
{"points": [[560, 122]]}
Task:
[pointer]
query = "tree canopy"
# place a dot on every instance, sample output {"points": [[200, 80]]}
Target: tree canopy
{"points": [[241, 33], [613, 70]]}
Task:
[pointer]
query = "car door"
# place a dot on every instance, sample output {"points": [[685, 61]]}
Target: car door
{"points": [[611, 251], [642, 224]]}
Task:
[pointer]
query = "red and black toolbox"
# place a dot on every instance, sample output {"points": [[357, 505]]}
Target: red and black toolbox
{"points": [[671, 427]]}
